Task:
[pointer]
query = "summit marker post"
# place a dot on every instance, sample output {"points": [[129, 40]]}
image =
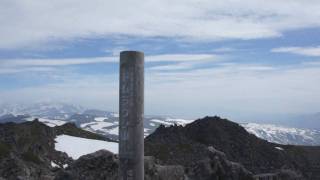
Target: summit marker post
{"points": [[131, 110]]}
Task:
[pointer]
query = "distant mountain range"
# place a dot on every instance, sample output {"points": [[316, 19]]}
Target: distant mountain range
{"points": [[106, 122], [43, 110]]}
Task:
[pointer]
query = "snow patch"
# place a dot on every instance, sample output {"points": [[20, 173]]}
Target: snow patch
{"points": [[76, 146], [279, 148], [101, 125], [114, 131], [54, 165], [100, 119]]}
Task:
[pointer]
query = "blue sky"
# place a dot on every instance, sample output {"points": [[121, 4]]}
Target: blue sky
{"points": [[231, 58]]}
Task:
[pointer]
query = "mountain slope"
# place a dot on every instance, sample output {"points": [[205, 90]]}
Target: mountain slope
{"points": [[27, 151], [185, 145]]}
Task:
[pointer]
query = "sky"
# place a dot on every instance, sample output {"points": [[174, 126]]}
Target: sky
{"points": [[242, 59]]}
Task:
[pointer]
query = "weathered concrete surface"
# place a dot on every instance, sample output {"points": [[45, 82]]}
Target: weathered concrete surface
{"points": [[131, 107]]}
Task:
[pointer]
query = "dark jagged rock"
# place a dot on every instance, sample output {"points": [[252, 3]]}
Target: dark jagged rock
{"points": [[236, 142], [154, 171], [103, 165], [202, 162], [216, 166], [99, 165], [27, 150], [185, 145]]}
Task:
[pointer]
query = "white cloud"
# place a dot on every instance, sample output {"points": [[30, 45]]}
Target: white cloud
{"points": [[182, 57], [26, 23], [305, 51], [21, 65]]}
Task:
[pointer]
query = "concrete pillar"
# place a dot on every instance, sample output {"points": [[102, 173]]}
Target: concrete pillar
{"points": [[131, 107]]}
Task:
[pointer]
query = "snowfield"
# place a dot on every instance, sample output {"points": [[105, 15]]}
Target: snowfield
{"points": [[162, 122], [100, 119], [76, 147], [284, 135]]}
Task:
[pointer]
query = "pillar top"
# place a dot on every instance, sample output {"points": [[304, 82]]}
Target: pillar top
{"points": [[131, 52]]}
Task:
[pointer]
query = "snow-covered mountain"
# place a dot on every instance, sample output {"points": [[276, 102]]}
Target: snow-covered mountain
{"points": [[106, 122], [43, 110], [284, 135], [109, 126], [98, 121]]}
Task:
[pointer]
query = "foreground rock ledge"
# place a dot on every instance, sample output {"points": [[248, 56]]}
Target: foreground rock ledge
{"points": [[104, 165]]}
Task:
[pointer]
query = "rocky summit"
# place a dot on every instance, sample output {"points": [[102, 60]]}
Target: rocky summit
{"points": [[211, 138], [211, 148]]}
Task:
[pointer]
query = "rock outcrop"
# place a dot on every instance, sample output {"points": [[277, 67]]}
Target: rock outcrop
{"points": [[26, 151], [189, 145], [104, 165]]}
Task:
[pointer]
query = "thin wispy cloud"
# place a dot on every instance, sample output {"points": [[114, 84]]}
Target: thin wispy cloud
{"points": [[55, 62], [304, 51], [224, 50], [177, 66], [107, 59], [26, 69], [181, 57]]}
